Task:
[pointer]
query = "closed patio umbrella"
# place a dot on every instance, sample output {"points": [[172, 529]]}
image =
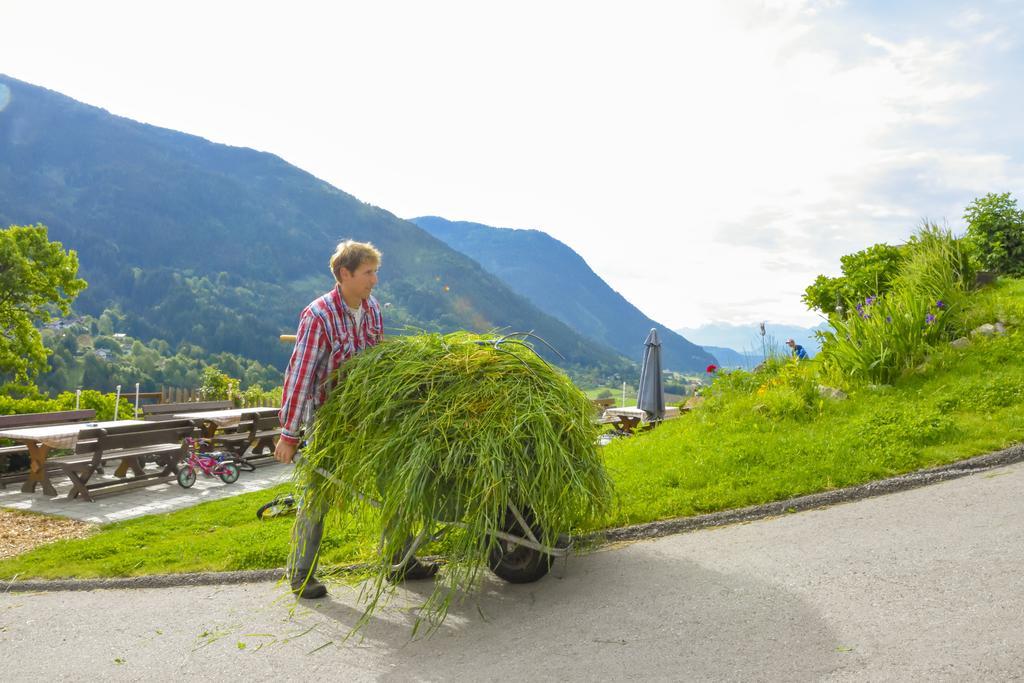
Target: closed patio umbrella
{"points": [[651, 396]]}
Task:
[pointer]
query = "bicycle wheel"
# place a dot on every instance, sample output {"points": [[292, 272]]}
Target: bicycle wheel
{"points": [[282, 505], [228, 473], [186, 477]]}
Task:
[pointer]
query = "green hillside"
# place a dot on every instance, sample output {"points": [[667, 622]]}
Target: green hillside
{"points": [[222, 246], [557, 280]]}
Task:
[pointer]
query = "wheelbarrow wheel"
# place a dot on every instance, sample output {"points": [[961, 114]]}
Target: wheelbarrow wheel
{"points": [[518, 563]]}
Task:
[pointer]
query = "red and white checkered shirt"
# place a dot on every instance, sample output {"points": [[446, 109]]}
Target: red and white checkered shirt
{"points": [[326, 338]]}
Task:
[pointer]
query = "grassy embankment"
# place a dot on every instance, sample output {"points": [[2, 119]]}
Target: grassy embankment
{"points": [[758, 438]]}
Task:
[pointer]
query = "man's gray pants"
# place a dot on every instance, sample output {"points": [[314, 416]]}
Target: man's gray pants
{"points": [[306, 536]]}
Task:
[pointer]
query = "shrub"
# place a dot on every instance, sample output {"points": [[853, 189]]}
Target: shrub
{"points": [[217, 386], [103, 404], [995, 226], [887, 334], [866, 273]]}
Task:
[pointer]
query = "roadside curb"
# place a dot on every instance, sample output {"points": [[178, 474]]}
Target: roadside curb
{"points": [[667, 527], [904, 482]]}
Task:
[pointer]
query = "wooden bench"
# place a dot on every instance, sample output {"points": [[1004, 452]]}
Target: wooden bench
{"points": [[259, 432], [166, 411], [18, 451], [136, 445]]}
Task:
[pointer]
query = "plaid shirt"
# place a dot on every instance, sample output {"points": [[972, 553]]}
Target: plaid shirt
{"points": [[326, 338]]}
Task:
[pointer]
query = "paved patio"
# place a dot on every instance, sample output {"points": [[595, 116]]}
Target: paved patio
{"points": [[154, 499]]}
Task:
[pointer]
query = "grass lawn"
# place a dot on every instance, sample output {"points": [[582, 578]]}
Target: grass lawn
{"points": [[756, 439]]}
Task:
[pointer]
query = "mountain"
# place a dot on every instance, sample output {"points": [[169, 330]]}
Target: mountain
{"points": [[219, 246], [746, 339], [729, 358], [557, 280]]}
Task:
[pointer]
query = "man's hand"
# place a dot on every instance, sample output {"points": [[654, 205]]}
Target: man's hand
{"points": [[284, 452]]}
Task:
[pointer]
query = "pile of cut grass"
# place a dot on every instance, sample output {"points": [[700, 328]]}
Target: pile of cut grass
{"points": [[456, 428]]}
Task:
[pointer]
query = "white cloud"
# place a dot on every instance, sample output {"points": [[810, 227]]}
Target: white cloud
{"points": [[707, 159]]}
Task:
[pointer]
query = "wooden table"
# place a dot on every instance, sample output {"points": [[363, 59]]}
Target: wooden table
{"points": [[628, 418], [41, 440], [224, 419]]}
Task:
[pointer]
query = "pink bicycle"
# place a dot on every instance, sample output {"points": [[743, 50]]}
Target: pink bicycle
{"points": [[212, 464]]}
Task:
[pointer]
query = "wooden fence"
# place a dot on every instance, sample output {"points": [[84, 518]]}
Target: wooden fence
{"points": [[179, 395]]}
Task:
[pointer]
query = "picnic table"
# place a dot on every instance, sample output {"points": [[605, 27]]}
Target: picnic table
{"points": [[628, 418], [225, 419], [256, 426], [41, 440]]}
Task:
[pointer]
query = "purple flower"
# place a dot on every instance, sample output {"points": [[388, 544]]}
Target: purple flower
{"points": [[940, 304], [870, 300], [888, 318], [929, 318]]}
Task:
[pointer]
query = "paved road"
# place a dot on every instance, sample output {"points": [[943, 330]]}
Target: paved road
{"points": [[919, 585]]}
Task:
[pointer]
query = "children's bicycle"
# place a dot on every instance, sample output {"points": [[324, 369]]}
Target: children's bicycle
{"points": [[281, 505], [215, 463]]}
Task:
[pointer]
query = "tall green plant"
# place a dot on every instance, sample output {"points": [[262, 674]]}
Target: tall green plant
{"points": [[887, 334], [995, 227]]}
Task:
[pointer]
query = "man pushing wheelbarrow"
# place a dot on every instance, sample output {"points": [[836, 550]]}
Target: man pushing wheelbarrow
{"points": [[475, 436]]}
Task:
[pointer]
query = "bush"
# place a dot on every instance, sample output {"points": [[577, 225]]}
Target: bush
{"points": [[995, 226], [866, 273], [217, 386], [887, 334], [103, 404], [256, 396]]}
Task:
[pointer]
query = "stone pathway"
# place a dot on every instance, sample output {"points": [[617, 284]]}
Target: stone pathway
{"points": [[158, 498]]}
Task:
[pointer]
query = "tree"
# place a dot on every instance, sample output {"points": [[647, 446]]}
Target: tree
{"points": [[995, 226], [36, 277]]}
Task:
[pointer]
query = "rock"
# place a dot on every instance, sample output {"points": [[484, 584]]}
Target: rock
{"points": [[986, 330], [984, 277], [832, 393], [961, 343], [1000, 328]]}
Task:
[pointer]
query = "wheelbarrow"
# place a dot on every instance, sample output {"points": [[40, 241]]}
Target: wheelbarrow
{"points": [[518, 556]]}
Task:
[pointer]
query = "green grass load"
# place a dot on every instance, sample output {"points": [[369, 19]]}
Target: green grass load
{"points": [[454, 427]]}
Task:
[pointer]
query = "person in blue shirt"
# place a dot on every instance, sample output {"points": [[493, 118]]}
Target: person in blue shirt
{"points": [[798, 351]]}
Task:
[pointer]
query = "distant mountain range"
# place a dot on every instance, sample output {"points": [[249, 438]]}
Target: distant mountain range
{"points": [[218, 246], [557, 280], [746, 339], [729, 358]]}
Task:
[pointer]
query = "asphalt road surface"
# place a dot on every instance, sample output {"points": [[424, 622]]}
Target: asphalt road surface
{"points": [[918, 585]]}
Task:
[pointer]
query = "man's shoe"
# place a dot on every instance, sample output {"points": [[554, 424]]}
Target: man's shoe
{"points": [[414, 570], [310, 589]]}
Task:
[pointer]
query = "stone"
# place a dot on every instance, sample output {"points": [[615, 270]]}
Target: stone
{"points": [[986, 330], [832, 393], [961, 343], [1000, 328]]}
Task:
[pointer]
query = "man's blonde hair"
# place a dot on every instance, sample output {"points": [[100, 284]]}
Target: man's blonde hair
{"points": [[350, 255]]}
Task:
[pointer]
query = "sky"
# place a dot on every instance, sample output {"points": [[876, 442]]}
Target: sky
{"points": [[707, 159]]}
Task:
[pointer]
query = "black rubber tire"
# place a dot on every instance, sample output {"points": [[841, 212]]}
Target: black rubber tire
{"points": [[186, 477], [244, 465], [517, 563], [230, 473], [282, 505]]}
